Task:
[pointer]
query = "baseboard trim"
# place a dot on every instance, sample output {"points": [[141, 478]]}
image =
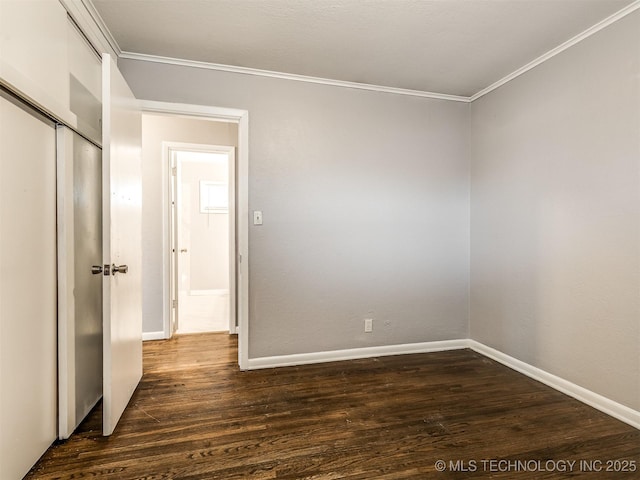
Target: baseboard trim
{"points": [[595, 400], [353, 354], [159, 335]]}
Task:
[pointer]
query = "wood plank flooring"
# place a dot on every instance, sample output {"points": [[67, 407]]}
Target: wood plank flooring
{"points": [[195, 416]]}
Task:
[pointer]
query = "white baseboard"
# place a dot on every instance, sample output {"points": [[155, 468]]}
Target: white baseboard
{"points": [[159, 335], [597, 401], [353, 353]]}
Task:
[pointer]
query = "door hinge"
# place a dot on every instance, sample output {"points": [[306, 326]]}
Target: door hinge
{"points": [[174, 171], [174, 303]]}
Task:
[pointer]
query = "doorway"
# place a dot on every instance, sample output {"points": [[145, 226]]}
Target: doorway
{"points": [[204, 114], [202, 238]]}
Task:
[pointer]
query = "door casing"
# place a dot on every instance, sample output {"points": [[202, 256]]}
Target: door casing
{"points": [[241, 118]]}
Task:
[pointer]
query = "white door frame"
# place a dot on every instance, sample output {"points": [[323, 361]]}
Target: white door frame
{"points": [[241, 118], [169, 149]]}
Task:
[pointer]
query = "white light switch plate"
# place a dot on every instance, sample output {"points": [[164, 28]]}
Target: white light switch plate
{"points": [[257, 217]]}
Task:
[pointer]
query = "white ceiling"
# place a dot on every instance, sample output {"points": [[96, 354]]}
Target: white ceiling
{"points": [[456, 47]]}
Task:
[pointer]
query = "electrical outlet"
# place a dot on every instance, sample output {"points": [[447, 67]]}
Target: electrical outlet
{"points": [[368, 325]]}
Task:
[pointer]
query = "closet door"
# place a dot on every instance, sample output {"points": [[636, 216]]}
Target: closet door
{"points": [[79, 278], [27, 288]]}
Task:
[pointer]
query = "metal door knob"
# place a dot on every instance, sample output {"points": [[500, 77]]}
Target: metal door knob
{"points": [[96, 269], [119, 268]]}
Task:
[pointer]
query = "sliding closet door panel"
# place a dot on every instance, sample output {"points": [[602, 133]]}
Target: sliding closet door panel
{"points": [[27, 289], [80, 283], [87, 206], [66, 284]]}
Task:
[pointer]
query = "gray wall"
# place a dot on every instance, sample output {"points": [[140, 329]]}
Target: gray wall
{"points": [[155, 130], [555, 249], [365, 198]]}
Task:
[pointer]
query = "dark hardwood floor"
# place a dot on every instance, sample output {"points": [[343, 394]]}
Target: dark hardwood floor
{"points": [[195, 416]]}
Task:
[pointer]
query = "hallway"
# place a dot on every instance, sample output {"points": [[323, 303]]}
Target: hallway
{"points": [[204, 313]]}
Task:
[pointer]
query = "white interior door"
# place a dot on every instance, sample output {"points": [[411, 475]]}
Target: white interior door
{"points": [[202, 205], [122, 244]]}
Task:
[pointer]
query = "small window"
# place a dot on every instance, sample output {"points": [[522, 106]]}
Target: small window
{"points": [[214, 197]]}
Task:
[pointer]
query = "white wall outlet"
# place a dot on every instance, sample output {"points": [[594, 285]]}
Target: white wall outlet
{"points": [[257, 217], [368, 325]]}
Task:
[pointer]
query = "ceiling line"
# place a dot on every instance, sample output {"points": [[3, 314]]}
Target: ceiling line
{"points": [[106, 33], [632, 7], [289, 76], [85, 14]]}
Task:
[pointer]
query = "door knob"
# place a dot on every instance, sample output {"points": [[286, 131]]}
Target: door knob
{"points": [[96, 269], [119, 268]]}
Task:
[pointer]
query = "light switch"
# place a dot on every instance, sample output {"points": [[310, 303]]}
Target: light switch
{"points": [[257, 217]]}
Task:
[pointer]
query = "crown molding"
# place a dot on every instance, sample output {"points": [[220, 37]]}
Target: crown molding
{"points": [[90, 23], [559, 49], [88, 19], [288, 76], [102, 27]]}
